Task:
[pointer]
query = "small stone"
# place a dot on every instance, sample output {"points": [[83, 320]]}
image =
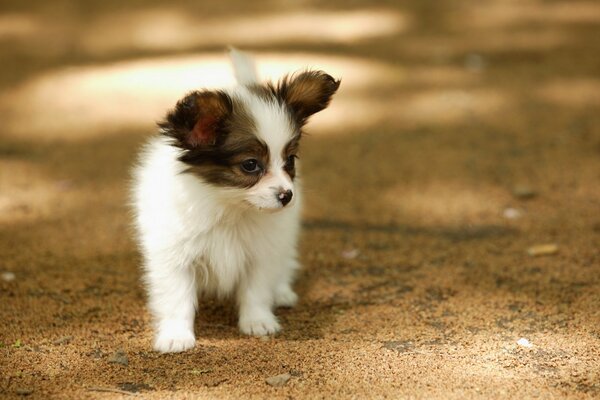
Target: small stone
{"points": [[64, 185], [95, 353], [295, 373], [215, 382], [265, 338], [400, 346], [63, 340], [134, 387], [278, 380], [24, 391], [201, 371], [350, 254], [119, 357], [474, 62], [543, 250], [512, 213], [524, 343], [524, 192], [8, 276]]}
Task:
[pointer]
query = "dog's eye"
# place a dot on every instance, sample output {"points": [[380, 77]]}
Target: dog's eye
{"points": [[291, 161], [251, 166]]}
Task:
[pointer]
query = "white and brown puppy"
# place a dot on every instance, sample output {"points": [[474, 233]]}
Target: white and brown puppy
{"points": [[217, 201]]}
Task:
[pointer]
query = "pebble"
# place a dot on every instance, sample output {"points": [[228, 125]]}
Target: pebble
{"points": [[24, 391], [64, 185], [350, 254], [399, 346], [474, 62], [8, 276], [201, 371], [524, 192], [543, 250], [524, 343], [132, 387], [63, 340], [278, 380], [119, 357], [512, 213]]}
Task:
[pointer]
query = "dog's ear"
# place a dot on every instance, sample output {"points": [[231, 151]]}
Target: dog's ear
{"points": [[307, 93], [198, 119]]}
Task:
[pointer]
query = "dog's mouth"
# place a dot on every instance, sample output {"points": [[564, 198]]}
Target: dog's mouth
{"points": [[266, 208]]}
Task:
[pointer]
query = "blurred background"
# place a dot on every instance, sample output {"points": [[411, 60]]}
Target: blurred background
{"points": [[452, 201]]}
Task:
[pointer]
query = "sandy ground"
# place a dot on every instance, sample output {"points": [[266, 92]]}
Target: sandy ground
{"points": [[464, 134]]}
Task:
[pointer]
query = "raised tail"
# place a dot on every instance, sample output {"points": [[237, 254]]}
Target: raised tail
{"points": [[243, 67]]}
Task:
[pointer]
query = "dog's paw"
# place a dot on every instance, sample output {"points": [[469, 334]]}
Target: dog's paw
{"points": [[259, 325], [285, 297], [174, 338]]}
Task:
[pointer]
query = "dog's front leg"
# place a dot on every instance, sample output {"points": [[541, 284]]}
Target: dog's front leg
{"points": [[173, 298], [255, 301]]}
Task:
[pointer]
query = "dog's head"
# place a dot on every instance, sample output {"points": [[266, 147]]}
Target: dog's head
{"points": [[247, 140]]}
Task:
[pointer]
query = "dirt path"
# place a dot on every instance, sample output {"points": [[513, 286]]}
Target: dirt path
{"points": [[463, 136]]}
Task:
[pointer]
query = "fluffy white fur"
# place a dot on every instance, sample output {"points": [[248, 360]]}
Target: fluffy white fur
{"points": [[199, 239], [244, 68]]}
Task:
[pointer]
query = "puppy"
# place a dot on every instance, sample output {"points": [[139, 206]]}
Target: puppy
{"points": [[217, 198]]}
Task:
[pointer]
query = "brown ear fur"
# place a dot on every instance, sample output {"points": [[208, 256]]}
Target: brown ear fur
{"points": [[307, 93], [197, 118], [213, 107]]}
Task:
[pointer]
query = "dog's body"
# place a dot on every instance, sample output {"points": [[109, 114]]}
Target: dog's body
{"points": [[217, 201]]}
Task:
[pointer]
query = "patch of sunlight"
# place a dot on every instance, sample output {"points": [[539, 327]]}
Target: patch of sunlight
{"points": [[527, 40], [170, 29], [573, 92], [438, 75], [428, 103], [87, 101], [445, 106], [447, 203], [17, 25], [502, 14], [352, 113], [24, 191], [523, 40]]}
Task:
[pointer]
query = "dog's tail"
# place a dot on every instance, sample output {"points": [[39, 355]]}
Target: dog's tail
{"points": [[243, 67]]}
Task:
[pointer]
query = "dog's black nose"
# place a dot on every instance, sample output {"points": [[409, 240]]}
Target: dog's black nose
{"points": [[285, 197]]}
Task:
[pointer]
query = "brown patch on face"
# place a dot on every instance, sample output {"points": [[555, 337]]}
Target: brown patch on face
{"points": [[269, 93], [218, 161], [290, 154], [217, 133]]}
